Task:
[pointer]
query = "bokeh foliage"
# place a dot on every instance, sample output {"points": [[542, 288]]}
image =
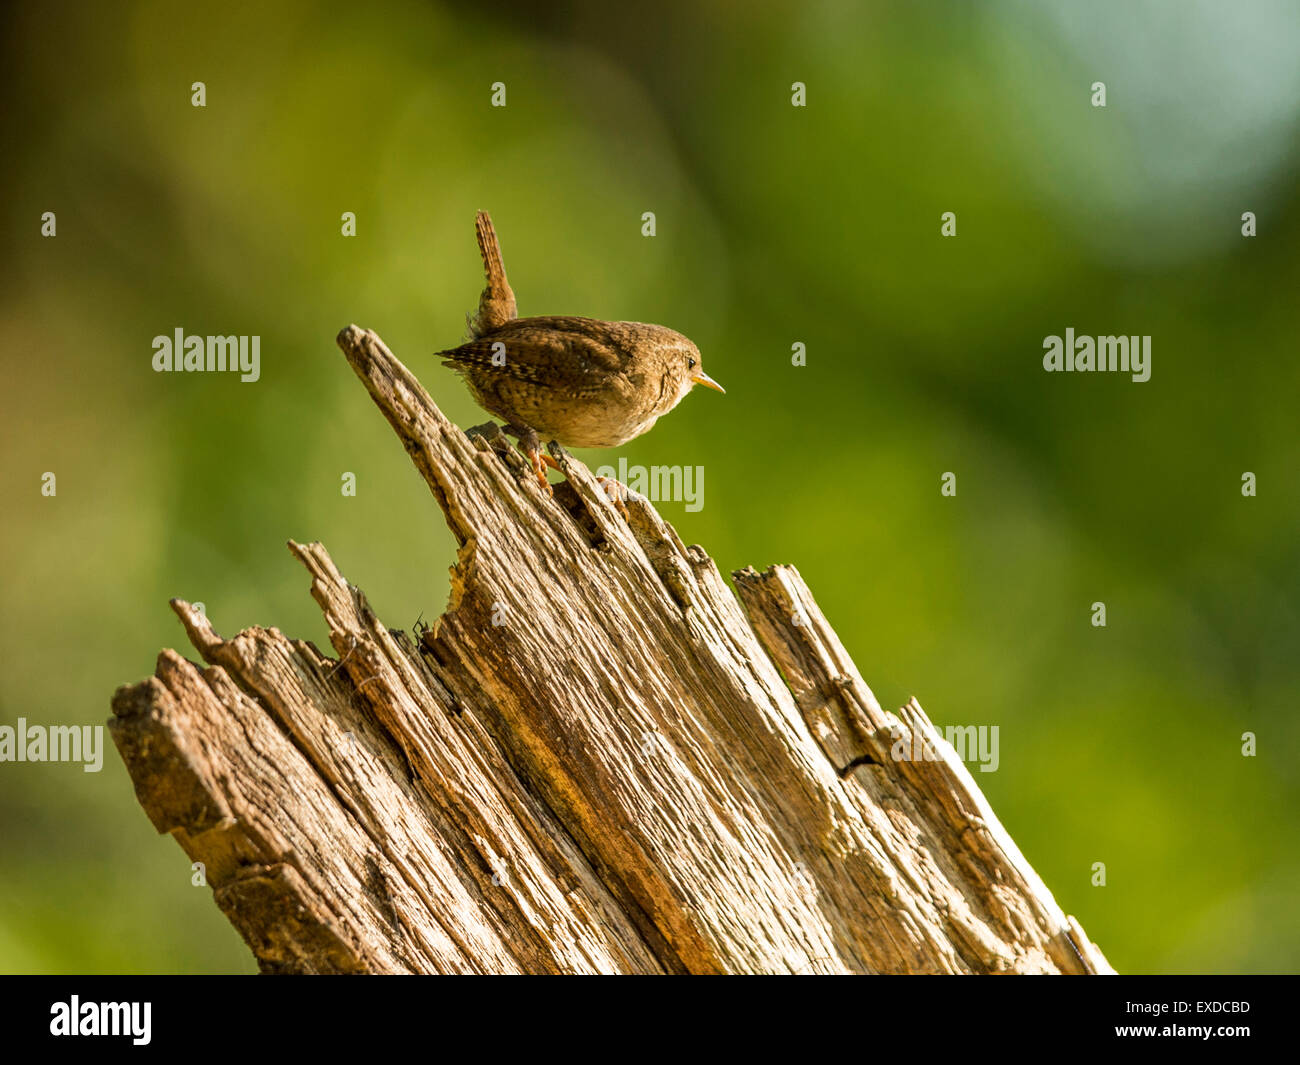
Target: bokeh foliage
{"points": [[775, 225]]}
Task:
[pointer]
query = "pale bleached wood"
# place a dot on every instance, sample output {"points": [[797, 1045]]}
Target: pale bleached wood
{"points": [[597, 760]]}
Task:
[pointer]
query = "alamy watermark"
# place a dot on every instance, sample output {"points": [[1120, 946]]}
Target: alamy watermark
{"points": [[214, 354], [971, 743], [659, 484], [1131, 355], [55, 743], [79, 1018]]}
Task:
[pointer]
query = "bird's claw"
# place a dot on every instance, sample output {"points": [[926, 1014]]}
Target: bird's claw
{"points": [[616, 493], [540, 463]]}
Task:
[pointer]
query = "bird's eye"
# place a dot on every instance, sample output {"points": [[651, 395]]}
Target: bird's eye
{"points": [[690, 364]]}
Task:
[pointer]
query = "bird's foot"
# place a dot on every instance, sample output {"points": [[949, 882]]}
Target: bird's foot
{"points": [[539, 463], [532, 447], [616, 493]]}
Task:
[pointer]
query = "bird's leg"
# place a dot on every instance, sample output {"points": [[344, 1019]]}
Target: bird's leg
{"points": [[531, 445]]}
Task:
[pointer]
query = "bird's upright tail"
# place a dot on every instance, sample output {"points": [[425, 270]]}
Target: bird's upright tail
{"points": [[497, 304]]}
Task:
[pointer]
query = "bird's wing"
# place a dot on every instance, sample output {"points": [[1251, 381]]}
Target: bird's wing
{"points": [[543, 351]]}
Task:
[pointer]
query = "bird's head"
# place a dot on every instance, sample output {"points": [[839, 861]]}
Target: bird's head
{"points": [[683, 369]]}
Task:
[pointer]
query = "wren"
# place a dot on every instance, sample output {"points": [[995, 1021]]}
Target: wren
{"points": [[580, 382]]}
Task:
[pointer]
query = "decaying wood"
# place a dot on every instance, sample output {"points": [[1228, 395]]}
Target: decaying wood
{"points": [[600, 759]]}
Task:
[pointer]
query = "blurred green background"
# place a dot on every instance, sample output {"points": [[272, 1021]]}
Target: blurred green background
{"points": [[775, 224]]}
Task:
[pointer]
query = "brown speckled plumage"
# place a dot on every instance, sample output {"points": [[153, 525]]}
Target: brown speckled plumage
{"points": [[579, 381]]}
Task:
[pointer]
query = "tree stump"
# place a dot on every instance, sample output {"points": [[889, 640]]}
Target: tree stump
{"points": [[598, 760]]}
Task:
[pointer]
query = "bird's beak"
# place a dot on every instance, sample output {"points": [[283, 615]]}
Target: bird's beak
{"points": [[704, 379]]}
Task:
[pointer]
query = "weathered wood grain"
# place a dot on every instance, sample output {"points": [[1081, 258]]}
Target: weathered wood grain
{"points": [[599, 759]]}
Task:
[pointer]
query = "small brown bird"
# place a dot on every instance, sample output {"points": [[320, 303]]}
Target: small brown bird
{"points": [[578, 381]]}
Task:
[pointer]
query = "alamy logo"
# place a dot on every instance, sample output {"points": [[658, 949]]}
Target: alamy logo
{"points": [[57, 743], [196, 354], [970, 743], [102, 1018], [659, 484], [1117, 354]]}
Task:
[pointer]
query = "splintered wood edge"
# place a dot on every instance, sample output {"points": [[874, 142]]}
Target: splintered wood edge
{"points": [[412, 414], [426, 857], [211, 770], [855, 733]]}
